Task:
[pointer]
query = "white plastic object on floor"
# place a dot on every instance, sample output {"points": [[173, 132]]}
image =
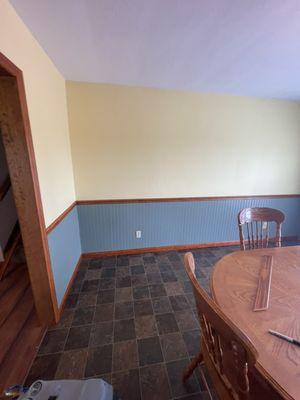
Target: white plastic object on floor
{"points": [[90, 389]]}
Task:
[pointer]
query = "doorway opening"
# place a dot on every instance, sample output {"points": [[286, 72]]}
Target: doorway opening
{"points": [[27, 295]]}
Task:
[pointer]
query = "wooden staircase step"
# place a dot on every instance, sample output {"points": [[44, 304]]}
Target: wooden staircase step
{"points": [[14, 323], [12, 279], [9, 251], [10, 299], [18, 360]]}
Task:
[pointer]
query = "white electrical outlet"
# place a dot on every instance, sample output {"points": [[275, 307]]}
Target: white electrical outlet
{"points": [[138, 234], [264, 225]]}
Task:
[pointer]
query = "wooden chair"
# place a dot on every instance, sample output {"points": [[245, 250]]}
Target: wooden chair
{"points": [[226, 352], [256, 221]]}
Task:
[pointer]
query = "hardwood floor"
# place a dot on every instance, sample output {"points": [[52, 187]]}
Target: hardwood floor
{"points": [[20, 330]]}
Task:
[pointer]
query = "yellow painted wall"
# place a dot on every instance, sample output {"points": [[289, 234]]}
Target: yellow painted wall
{"points": [[136, 142], [46, 98]]}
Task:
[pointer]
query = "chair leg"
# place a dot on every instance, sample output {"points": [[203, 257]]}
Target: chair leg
{"points": [[190, 369]]}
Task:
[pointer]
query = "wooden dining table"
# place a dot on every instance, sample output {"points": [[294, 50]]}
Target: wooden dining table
{"points": [[234, 283]]}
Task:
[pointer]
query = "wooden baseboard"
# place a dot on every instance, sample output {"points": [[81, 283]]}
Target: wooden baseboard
{"points": [[63, 302], [169, 248], [158, 249]]}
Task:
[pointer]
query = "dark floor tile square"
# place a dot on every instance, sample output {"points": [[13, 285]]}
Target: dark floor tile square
{"points": [[122, 261], [72, 364], [139, 280], [173, 346], [174, 257], [107, 283], [84, 264], [104, 312], [143, 307], [87, 300], [178, 388], [145, 326], [181, 276], [95, 263], [127, 384], [154, 277], [124, 329], [187, 287], [99, 361], [109, 261], [122, 271], [83, 316], [157, 290], [125, 355], [151, 269], [123, 281], [154, 382], [44, 367], [165, 267], [90, 286], [177, 266], [72, 300], [161, 305], [101, 334], [168, 277], [124, 310], [106, 296], [137, 269], [166, 323], [149, 351], [173, 288], [76, 287], [81, 275], [186, 320], [136, 260], [108, 272], [54, 341], [191, 299], [179, 302], [192, 342], [141, 292], [123, 294], [78, 337], [149, 259], [92, 274]]}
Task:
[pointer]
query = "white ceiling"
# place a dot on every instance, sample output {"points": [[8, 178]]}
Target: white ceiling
{"points": [[248, 47]]}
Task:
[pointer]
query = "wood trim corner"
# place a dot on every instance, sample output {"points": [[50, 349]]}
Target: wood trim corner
{"points": [[67, 292], [54, 224]]}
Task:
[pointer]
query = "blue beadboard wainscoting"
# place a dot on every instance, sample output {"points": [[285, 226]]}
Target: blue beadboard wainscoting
{"points": [[65, 251], [108, 227], [103, 227]]}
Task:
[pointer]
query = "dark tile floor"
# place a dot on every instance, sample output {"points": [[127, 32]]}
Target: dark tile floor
{"points": [[130, 320]]}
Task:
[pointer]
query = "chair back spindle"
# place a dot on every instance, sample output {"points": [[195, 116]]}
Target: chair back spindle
{"points": [[254, 227]]}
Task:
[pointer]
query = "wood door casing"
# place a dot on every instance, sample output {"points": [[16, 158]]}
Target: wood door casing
{"points": [[15, 129]]}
